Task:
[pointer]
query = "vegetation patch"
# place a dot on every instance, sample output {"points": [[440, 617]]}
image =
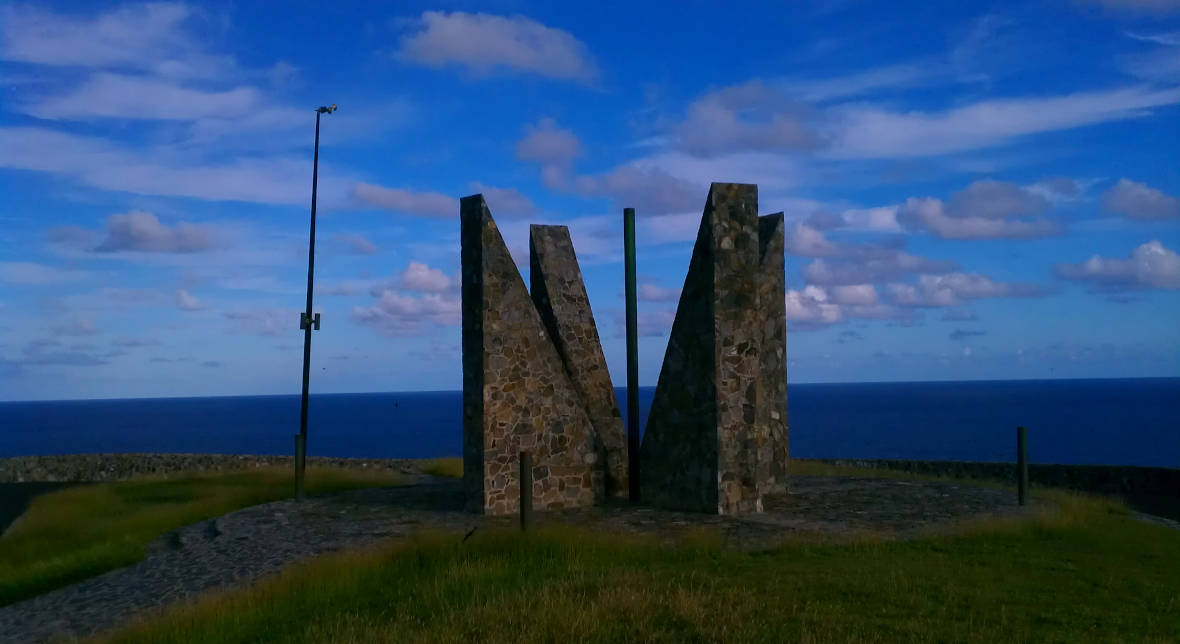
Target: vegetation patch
{"points": [[80, 532], [448, 467], [1083, 572]]}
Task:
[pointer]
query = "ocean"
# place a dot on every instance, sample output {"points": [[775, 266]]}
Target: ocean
{"points": [[1115, 422]]}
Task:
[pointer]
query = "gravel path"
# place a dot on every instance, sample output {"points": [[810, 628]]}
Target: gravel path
{"points": [[241, 547]]}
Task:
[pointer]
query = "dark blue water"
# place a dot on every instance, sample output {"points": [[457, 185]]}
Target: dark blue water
{"points": [[1123, 422]]}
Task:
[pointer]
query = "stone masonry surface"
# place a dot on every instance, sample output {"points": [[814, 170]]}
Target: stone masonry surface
{"points": [[560, 297], [699, 450], [773, 449], [242, 547], [516, 394], [119, 467]]}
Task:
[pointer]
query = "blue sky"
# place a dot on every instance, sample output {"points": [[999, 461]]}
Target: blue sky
{"points": [[972, 190]]}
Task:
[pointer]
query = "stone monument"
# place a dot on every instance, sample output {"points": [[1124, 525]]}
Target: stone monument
{"points": [[535, 379], [560, 296], [516, 394], [773, 452]]}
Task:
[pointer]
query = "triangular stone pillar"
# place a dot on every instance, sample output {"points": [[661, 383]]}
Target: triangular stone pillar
{"points": [[560, 297], [516, 394], [773, 450], [700, 446]]}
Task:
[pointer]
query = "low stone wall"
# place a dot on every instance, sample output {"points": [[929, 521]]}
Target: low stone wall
{"points": [[1102, 479], [118, 467]]}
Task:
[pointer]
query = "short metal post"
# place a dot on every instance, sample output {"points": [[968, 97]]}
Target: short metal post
{"points": [[632, 356], [300, 452], [526, 490], [1021, 464]]}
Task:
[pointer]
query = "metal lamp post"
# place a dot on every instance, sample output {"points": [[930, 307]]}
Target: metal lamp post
{"points": [[306, 320]]}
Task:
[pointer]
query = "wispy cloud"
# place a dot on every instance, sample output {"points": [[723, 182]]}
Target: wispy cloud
{"points": [[152, 37], [35, 274], [484, 43], [1140, 201], [1151, 265], [104, 164], [874, 132]]}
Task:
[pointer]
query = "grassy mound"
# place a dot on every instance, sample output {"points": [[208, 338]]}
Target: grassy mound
{"points": [[79, 532], [1083, 571]]}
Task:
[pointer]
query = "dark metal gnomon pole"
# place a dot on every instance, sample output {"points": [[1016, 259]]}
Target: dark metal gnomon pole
{"points": [[306, 320], [1021, 465], [632, 356]]}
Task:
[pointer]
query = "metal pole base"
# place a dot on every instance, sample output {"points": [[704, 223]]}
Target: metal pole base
{"points": [[526, 490], [300, 464]]}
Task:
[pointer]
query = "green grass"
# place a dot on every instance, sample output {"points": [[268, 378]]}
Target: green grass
{"points": [[449, 467], [1083, 571], [453, 467], [79, 532]]}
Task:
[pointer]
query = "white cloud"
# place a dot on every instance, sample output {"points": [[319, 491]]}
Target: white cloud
{"points": [[866, 264], [186, 301], [649, 191], [1151, 265], [151, 37], [989, 199], [263, 321], [99, 163], [1171, 39], [1140, 201], [745, 117], [34, 274], [891, 78], [422, 204], [862, 131], [855, 294], [107, 95], [656, 293], [955, 289], [650, 323], [810, 307], [547, 143], [355, 243], [424, 279], [770, 171], [930, 214], [805, 241], [484, 43], [142, 231], [880, 219], [505, 202], [397, 314]]}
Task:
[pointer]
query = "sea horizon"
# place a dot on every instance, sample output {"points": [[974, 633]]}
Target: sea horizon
{"points": [[642, 386], [1097, 421]]}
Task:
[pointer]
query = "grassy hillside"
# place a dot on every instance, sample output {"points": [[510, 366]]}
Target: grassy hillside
{"points": [[1086, 571], [79, 532]]}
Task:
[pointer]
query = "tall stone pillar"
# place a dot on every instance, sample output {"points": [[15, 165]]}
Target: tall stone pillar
{"points": [[560, 297], [773, 450], [516, 394], [700, 446]]}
